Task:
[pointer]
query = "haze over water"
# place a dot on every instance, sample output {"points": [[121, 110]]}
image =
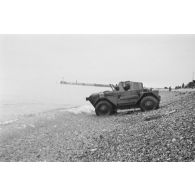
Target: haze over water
{"points": [[31, 66]]}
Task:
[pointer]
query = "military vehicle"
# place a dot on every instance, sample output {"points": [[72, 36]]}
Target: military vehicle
{"points": [[125, 95]]}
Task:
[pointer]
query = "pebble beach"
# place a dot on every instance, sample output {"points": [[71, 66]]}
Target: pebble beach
{"points": [[78, 135]]}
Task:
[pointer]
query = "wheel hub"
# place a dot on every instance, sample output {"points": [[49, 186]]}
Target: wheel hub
{"points": [[149, 103], [103, 109]]}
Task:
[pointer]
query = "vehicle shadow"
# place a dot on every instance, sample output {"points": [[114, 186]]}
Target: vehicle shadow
{"points": [[128, 112]]}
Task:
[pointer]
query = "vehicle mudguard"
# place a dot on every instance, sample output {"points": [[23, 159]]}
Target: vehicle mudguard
{"points": [[112, 101], [148, 94]]}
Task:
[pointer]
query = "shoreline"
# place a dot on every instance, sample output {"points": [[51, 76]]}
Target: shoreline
{"points": [[165, 134], [9, 118]]}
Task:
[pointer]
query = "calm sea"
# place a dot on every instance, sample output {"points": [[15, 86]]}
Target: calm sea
{"points": [[12, 108]]}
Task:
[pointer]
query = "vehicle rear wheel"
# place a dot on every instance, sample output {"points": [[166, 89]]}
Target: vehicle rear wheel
{"points": [[114, 111], [149, 103], [103, 108]]}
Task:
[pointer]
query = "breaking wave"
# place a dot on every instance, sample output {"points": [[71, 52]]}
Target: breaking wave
{"points": [[8, 122]]}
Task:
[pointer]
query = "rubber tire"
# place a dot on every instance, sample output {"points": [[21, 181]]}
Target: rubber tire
{"points": [[153, 103], [114, 111], [103, 108]]}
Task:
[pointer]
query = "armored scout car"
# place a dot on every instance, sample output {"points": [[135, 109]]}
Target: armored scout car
{"points": [[125, 95]]}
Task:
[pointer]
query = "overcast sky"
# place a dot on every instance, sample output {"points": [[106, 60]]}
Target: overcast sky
{"points": [[32, 65]]}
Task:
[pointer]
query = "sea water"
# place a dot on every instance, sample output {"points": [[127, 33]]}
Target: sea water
{"points": [[24, 98], [10, 111]]}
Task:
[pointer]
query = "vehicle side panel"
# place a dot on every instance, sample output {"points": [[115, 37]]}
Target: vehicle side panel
{"points": [[128, 99]]}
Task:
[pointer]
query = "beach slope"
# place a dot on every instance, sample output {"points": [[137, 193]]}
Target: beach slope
{"points": [[166, 134]]}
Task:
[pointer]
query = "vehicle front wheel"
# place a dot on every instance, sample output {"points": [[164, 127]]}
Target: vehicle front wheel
{"points": [[149, 103], [103, 108]]}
